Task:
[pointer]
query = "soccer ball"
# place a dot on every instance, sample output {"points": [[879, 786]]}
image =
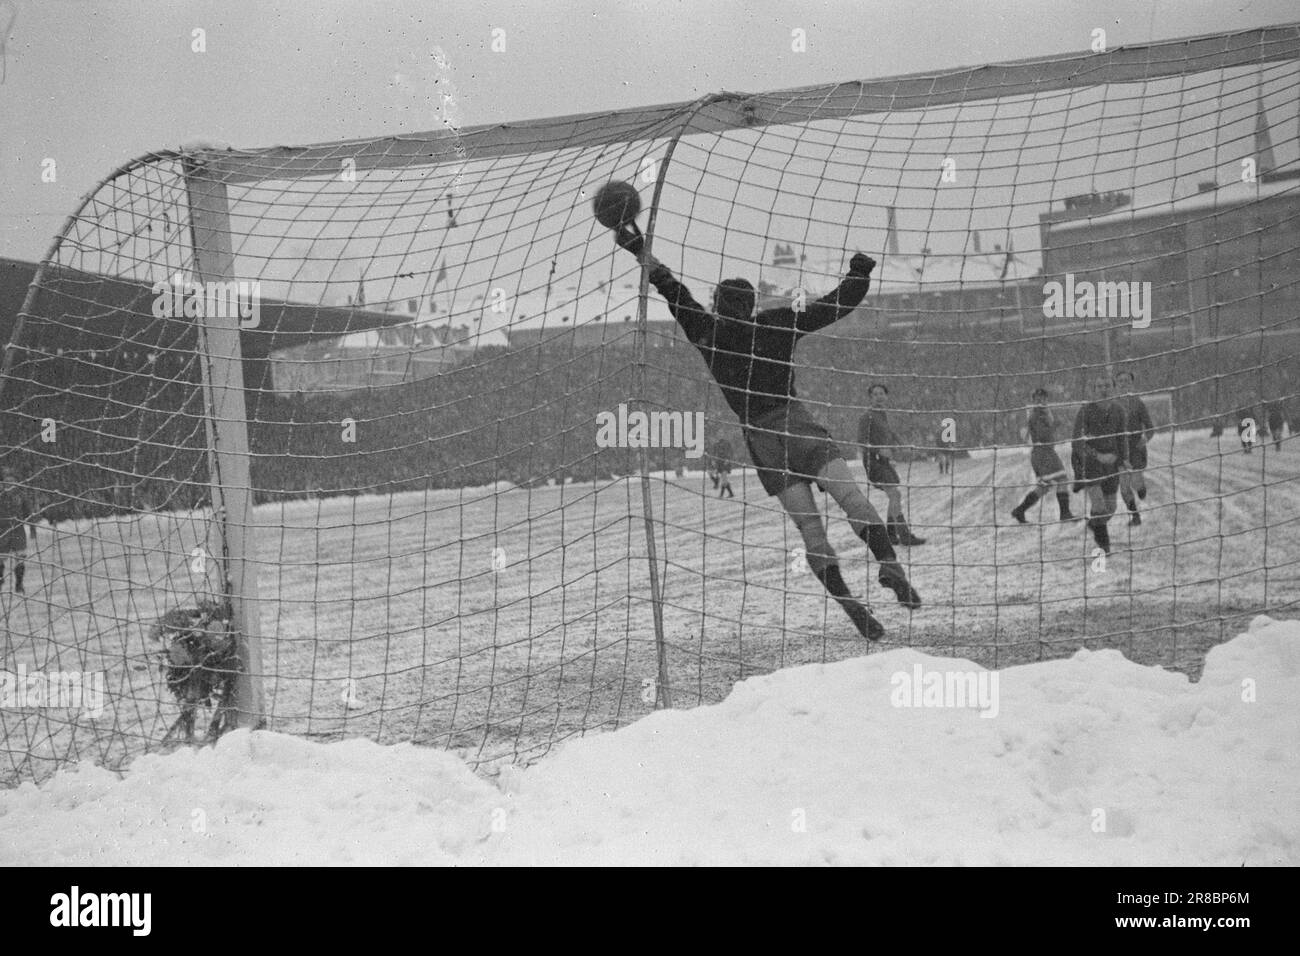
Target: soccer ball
{"points": [[616, 204]]}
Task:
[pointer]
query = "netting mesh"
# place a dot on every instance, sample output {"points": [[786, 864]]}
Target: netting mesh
{"points": [[446, 552]]}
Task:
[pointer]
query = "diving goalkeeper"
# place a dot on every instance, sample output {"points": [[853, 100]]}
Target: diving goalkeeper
{"points": [[750, 356]]}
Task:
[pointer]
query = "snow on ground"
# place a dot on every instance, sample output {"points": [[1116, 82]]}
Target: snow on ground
{"points": [[389, 617], [1090, 760]]}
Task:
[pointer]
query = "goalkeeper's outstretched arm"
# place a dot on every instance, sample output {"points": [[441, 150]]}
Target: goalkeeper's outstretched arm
{"points": [[844, 299], [696, 321]]}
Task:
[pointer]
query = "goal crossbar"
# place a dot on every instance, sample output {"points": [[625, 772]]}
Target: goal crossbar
{"points": [[729, 110]]}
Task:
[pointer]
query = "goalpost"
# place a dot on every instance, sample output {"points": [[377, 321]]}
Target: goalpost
{"points": [[380, 448]]}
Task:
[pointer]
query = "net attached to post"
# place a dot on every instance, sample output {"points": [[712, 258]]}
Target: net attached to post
{"points": [[445, 360]]}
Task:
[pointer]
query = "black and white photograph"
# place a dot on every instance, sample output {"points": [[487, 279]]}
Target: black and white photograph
{"points": [[651, 433]]}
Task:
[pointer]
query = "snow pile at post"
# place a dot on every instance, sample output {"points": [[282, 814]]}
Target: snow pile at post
{"points": [[1091, 760]]}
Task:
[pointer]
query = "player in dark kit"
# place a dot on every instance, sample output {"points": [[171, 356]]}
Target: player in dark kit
{"points": [[1040, 428], [16, 512], [1100, 452], [878, 442], [945, 450], [1276, 420], [750, 357], [1133, 478], [720, 467], [1247, 429]]}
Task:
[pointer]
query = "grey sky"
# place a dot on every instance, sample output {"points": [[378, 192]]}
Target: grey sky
{"points": [[93, 83]]}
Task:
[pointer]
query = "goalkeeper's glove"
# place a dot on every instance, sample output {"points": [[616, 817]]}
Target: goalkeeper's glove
{"points": [[861, 265], [633, 242]]}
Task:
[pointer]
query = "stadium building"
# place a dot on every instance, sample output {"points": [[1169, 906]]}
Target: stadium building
{"points": [[1219, 261]]}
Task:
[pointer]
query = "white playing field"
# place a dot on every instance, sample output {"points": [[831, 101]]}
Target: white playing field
{"points": [[388, 617]]}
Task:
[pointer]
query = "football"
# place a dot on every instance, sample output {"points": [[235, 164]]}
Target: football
{"points": [[616, 204]]}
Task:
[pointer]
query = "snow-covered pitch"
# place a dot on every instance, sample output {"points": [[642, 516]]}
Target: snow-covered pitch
{"points": [[500, 622], [1090, 760]]}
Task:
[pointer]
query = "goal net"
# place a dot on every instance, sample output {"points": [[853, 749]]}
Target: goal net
{"points": [[381, 403]]}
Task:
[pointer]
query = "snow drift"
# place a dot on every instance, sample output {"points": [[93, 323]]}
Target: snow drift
{"points": [[1090, 760]]}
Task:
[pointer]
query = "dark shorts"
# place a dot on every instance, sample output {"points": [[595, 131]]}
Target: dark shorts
{"points": [[881, 472], [1046, 462], [789, 447], [1105, 476]]}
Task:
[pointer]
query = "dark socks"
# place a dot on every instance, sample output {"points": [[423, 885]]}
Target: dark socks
{"points": [[1100, 533], [1031, 499], [878, 542], [832, 580], [1063, 500]]}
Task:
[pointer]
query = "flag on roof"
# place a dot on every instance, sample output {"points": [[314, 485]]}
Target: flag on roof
{"points": [[1011, 254], [783, 255]]}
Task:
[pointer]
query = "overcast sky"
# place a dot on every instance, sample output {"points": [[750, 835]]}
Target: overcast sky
{"points": [[93, 83]]}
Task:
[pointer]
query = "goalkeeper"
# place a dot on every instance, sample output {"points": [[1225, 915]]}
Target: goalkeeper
{"points": [[750, 356]]}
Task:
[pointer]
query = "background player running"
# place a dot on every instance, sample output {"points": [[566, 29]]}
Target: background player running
{"points": [[1276, 420], [878, 442], [16, 512], [945, 449], [750, 357], [1132, 480], [1099, 453], [1247, 428], [1040, 428], [720, 459]]}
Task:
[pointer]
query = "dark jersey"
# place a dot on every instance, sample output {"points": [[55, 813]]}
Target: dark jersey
{"points": [[751, 359], [1041, 426], [874, 433], [1102, 428], [1138, 418]]}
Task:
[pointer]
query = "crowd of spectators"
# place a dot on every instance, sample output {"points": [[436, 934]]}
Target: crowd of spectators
{"points": [[527, 416]]}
